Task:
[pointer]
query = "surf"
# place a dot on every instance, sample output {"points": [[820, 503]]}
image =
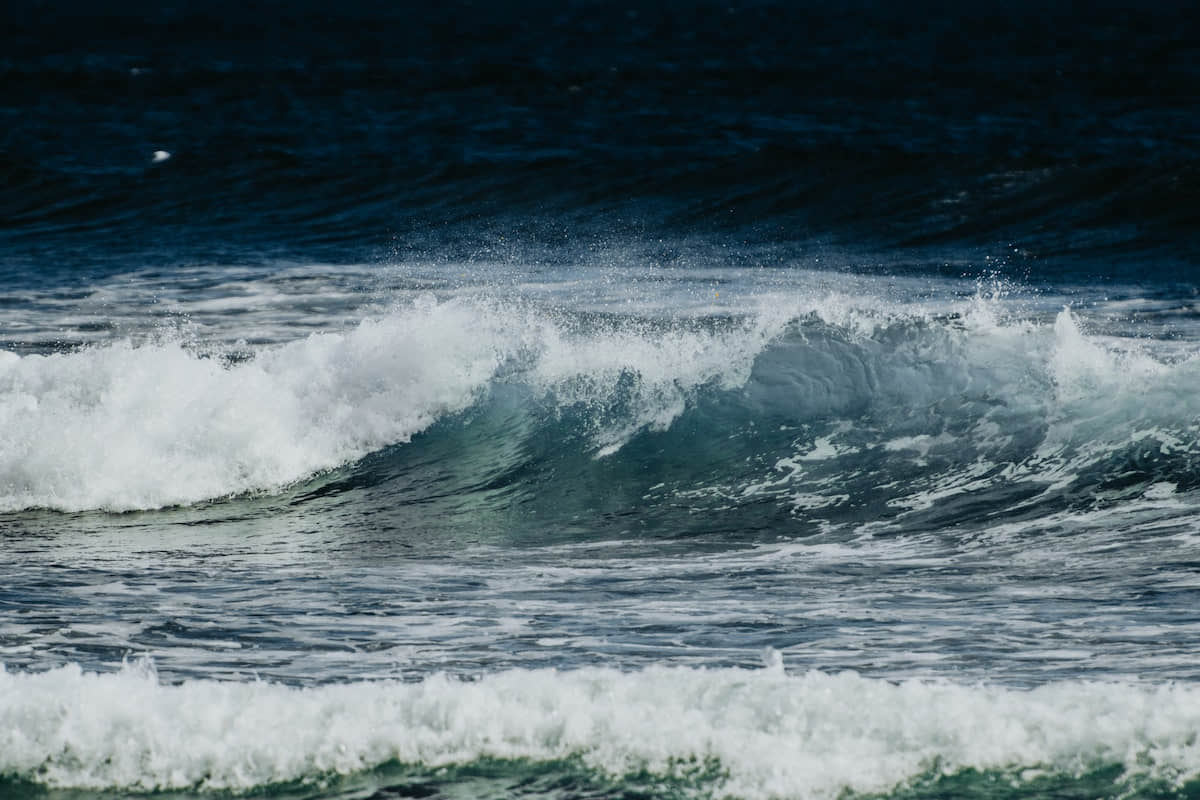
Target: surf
{"points": [[799, 402], [716, 732]]}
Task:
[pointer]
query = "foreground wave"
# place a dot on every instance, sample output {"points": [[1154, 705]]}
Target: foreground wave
{"points": [[721, 732], [802, 404]]}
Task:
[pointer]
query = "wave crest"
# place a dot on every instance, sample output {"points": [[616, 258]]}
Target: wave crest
{"points": [[792, 401]]}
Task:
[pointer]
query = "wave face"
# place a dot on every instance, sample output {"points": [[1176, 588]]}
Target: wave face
{"points": [[711, 733], [810, 409]]}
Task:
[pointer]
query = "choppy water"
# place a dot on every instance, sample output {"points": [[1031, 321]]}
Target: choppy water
{"points": [[754, 402]]}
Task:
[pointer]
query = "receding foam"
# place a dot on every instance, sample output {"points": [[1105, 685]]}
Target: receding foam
{"points": [[773, 735]]}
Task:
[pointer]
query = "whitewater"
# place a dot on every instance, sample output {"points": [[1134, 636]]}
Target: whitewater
{"points": [[744, 733], [162, 419]]}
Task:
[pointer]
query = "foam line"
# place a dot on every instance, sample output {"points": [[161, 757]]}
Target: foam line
{"points": [[774, 735]]}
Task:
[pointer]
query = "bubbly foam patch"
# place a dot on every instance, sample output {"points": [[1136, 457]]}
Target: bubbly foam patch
{"points": [[772, 734]]}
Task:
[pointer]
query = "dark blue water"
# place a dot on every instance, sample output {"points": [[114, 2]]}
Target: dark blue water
{"points": [[380, 131], [760, 400]]}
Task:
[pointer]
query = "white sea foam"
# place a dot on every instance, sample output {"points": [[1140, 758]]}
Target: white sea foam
{"points": [[128, 426], [772, 734]]}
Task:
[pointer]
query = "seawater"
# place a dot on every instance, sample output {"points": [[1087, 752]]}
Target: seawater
{"points": [[570, 401]]}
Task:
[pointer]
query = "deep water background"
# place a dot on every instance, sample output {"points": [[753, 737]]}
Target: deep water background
{"points": [[1058, 138]]}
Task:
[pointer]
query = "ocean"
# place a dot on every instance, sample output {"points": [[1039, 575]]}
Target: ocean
{"points": [[716, 401]]}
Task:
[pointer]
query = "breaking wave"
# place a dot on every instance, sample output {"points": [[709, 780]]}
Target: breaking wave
{"points": [[801, 403]]}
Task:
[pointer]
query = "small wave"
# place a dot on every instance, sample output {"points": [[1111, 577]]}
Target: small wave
{"points": [[763, 733], [967, 417]]}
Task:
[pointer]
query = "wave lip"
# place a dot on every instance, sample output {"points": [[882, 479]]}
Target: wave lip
{"points": [[769, 734]]}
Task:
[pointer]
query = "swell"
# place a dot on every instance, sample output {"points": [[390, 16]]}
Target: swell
{"points": [[392, 127], [129, 426], [1051, 219], [915, 425]]}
